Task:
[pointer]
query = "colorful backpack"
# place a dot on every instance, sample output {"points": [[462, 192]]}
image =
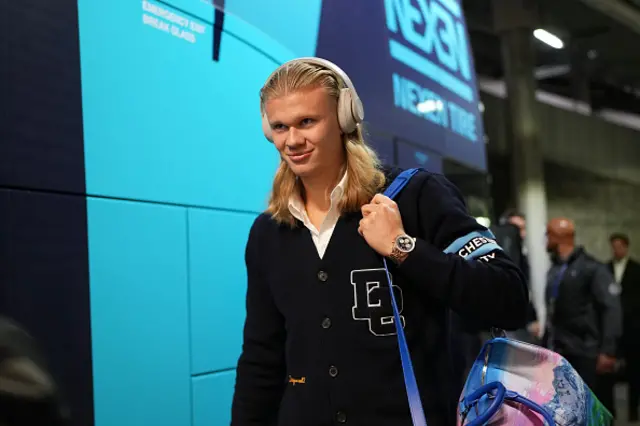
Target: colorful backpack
{"points": [[519, 384]]}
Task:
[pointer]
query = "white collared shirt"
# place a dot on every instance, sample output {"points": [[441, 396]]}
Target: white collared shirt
{"points": [[322, 236], [618, 268]]}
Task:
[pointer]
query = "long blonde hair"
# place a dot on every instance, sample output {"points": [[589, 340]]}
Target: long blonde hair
{"points": [[365, 177]]}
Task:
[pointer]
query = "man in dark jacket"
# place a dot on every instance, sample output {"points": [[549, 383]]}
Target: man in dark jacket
{"points": [[583, 305], [626, 272]]}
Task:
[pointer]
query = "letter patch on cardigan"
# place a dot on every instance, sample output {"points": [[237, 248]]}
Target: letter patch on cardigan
{"points": [[372, 301]]}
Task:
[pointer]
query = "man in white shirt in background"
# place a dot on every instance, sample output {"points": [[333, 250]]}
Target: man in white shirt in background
{"points": [[626, 272]]}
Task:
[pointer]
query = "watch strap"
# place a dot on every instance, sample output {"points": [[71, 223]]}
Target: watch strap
{"points": [[397, 255]]}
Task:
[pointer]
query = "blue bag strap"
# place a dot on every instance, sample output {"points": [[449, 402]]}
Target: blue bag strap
{"points": [[413, 394], [499, 394], [400, 182], [484, 244]]}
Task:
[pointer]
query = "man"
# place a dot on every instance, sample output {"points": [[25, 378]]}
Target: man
{"points": [[583, 305], [626, 272], [320, 342]]}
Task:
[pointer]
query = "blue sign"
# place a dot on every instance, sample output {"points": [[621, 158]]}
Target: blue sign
{"points": [[383, 145], [413, 67], [410, 156]]}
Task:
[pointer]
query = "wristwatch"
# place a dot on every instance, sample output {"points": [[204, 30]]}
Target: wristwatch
{"points": [[402, 246]]}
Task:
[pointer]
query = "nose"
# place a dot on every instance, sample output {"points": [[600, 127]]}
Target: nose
{"points": [[294, 137]]}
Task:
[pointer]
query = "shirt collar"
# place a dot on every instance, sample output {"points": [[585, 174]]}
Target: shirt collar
{"points": [[621, 261], [296, 205]]}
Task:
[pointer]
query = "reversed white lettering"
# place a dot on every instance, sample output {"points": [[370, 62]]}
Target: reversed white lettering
{"points": [[170, 22], [408, 95], [440, 52], [462, 122], [431, 28], [155, 22], [199, 28]]}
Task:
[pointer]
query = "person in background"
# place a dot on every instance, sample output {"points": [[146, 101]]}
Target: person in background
{"points": [[29, 395], [626, 272], [583, 307], [513, 217], [320, 342]]}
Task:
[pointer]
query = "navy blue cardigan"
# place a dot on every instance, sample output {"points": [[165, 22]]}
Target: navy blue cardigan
{"points": [[320, 345]]}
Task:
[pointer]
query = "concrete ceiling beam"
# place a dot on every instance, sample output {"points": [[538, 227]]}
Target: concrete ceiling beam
{"points": [[617, 10]]}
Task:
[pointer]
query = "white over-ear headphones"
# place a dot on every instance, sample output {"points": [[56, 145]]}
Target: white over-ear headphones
{"points": [[350, 109]]}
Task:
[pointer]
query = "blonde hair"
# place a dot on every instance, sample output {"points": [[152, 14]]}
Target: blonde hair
{"points": [[365, 177]]}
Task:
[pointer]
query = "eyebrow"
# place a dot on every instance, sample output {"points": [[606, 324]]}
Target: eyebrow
{"points": [[313, 116]]}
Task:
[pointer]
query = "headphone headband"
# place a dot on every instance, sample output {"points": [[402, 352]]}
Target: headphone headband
{"points": [[350, 110], [323, 63]]}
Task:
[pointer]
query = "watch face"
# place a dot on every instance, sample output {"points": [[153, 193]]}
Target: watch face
{"points": [[405, 243]]}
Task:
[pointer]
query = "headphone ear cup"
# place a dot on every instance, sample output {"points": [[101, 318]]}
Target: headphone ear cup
{"points": [[357, 108], [350, 111], [266, 128]]}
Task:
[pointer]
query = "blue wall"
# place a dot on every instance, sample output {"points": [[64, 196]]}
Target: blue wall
{"points": [[176, 171]]}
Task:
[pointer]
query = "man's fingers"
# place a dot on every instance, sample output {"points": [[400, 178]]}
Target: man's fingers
{"points": [[368, 208], [382, 199], [365, 223]]}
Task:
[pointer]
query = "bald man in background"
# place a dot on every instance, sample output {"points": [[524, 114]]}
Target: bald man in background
{"points": [[583, 304]]}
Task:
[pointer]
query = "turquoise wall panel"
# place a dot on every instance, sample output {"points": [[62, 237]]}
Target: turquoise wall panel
{"points": [[218, 283], [212, 395], [139, 313], [162, 120], [292, 23]]}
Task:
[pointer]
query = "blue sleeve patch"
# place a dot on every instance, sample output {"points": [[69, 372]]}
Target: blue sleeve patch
{"points": [[474, 245]]}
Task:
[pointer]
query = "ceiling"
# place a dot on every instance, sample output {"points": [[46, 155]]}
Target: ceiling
{"points": [[601, 55]]}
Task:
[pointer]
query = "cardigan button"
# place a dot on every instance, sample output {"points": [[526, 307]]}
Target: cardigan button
{"points": [[323, 276], [326, 323], [333, 371], [341, 417]]}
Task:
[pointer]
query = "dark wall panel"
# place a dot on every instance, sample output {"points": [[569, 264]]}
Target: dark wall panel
{"points": [[45, 285], [44, 282], [41, 120]]}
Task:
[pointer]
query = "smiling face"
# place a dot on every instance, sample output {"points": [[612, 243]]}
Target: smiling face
{"points": [[306, 132]]}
